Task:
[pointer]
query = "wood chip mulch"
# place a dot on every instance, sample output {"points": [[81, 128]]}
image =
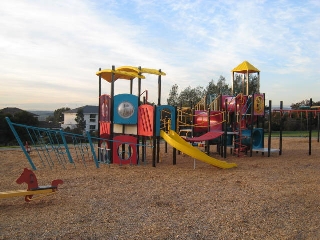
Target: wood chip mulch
{"points": [[276, 197]]}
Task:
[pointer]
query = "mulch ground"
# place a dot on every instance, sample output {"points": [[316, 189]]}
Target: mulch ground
{"points": [[276, 197]]}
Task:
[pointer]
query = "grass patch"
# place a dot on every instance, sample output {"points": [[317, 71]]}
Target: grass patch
{"points": [[294, 133]]}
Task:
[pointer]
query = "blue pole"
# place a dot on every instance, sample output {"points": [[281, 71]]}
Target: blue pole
{"points": [[66, 146], [20, 143], [92, 150]]}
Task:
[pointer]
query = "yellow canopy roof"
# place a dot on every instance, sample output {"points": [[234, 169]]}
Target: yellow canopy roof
{"points": [[106, 74], [143, 70], [245, 67]]}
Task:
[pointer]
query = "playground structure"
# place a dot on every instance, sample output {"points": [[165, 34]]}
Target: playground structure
{"points": [[122, 116], [228, 121], [126, 123], [28, 177]]}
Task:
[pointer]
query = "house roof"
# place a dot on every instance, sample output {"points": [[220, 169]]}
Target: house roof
{"points": [[87, 109]]}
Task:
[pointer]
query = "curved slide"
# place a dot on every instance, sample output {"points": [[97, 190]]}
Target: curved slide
{"points": [[179, 143]]}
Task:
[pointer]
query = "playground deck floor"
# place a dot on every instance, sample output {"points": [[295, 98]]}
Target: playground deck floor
{"points": [[274, 197]]}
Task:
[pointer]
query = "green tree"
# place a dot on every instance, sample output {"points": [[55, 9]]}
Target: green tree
{"points": [[298, 105], [239, 86], [173, 96], [220, 88], [212, 88], [58, 115], [26, 118], [253, 84], [6, 135], [189, 95], [23, 117], [223, 87], [81, 123], [316, 103]]}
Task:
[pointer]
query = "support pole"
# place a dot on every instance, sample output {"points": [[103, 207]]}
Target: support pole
{"points": [[232, 88], [238, 127], [143, 141], [138, 137], [258, 82], [263, 122], [269, 128], [225, 129], [252, 118], [99, 117], [159, 88], [318, 125], [111, 114], [310, 126], [174, 149], [247, 92], [207, 143], [281, 127], [159, 103], [154, 138], [21, 144]]}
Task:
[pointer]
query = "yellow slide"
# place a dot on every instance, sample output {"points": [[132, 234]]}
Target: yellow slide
{"points": [[179, 143]]}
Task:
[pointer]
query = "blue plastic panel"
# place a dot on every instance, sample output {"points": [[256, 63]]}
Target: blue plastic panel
{"points": [[125, 109], [172, 111]]}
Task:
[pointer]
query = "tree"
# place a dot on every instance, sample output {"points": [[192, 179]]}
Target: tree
{"points": [[23, 117], [6, 135], [297, 105], [173, 96], [58, 116], [26, 118], [81, 123], [223, 88], [253, 84], [189, 95], [239, 86], [220, 88], [212, 88]]}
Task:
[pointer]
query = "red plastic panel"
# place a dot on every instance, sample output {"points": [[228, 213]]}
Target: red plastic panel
{"points": [[205, 137], [105, 101], [201, 121], [105, 130], [145, 120], [241, 103], [125, 150]]}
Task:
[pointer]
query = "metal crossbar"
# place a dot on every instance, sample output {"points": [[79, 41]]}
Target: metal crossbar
{"points": [[56, 147]]}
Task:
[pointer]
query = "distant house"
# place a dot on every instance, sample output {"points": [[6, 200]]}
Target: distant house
{"points": [[90, 115]]}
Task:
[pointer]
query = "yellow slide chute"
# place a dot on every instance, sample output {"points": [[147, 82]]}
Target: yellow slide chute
{"points": [[179, 143]]}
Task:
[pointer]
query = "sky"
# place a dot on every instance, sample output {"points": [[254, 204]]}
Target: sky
{"points": [[51, 50]]}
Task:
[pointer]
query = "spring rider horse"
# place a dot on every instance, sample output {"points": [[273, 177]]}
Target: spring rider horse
{"points": [[27, 176]]}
